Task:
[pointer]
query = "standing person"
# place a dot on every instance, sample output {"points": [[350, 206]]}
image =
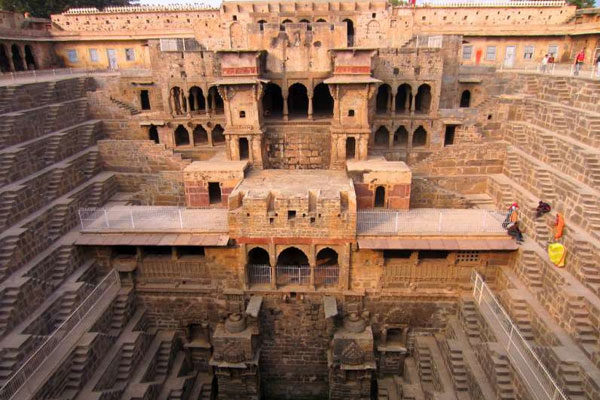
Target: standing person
{"points": [[598, 66], [544, 63], [579, 58], [551, 63]]}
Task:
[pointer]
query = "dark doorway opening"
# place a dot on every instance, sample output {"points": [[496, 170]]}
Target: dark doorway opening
{"points": [[182, 136], [349, 32], [423, 99], [29, 58], [4, 61], [419, 137], [272, 101], [322, 101], [350, 148], [244, 151], [153, 134], [200, 135], [449, 135], [382, 137], [217, 135], [403, 98], [215, 101], [401, 137], [465, 99], [214, 193], [383, 99], [145, 100], [379, 197], [298, 100], [196, 99], [17, 59]]}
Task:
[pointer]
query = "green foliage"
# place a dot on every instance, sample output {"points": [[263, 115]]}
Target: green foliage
{"points": [[582, 3], [43, 8]]}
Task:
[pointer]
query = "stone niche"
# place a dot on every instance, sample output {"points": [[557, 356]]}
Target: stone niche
{"points": [[381, 184], [209, 183]]}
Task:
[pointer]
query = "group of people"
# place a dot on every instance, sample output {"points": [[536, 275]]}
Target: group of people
{"points": [[548, 63], [511, 223]]}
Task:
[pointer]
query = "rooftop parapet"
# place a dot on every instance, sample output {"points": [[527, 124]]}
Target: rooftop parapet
{"points": [[142, 8], [491, 3]]}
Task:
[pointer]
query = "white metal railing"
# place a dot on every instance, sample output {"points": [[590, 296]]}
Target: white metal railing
{"points": [[490, 3], [523, 358], [29, 367], [429, 220], [152, 218], [259, 273], [565, 69], [292, 274], [43, 74]]}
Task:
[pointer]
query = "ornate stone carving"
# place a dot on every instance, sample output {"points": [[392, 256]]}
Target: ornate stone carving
{"points": [[233, 353], [352, 354]]}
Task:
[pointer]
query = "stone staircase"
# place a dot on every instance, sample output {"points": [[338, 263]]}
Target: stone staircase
{"points": [[7, 161], [530, 269], [7, 203], [424, 363], [57, 224], [545, 184], [468, 315], [589, 269], [456, 365], [592, 164], [550, 147], [585, 333], [513, 166], [8, 302], [503, 377], [521, 316], [127, 107], [573, 385], [591, 213]]}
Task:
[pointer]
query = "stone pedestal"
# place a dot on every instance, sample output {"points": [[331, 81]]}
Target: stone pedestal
{"points": [[235, 359], [391, 351], [351, 360]]}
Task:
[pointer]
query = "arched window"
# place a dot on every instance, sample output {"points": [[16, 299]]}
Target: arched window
{"points": [[272, 101], [182, 136], [298, 100], [423, 99], [29, 58], [465, 99], [292, 267], [307, 22], [373, 28], [321, 20], [259, 268], [327, 270], [244, 148], [17, 59], [322, 100], [401, 137], [217, 135], [177, 100], [403, 98], [200, 135], [383, 99], [153, 134], [350, 148], [379, 197], [419, 137], [382, 136], [349, 32], [258, 256], [215, 101], [4, 60], [196, 99]]}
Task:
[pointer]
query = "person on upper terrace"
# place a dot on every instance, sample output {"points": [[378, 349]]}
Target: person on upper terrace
{"points": [[579, 59], [544, 65]]}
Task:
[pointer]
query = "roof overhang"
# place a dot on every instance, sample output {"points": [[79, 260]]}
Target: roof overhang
{"points": [[152, 239], [437, 243]]}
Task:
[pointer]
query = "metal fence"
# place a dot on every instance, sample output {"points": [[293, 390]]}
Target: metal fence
{"points": [[29, 367], [588, 70], [259, 274], [523, 358], [327, 275], [293, 274], [429, 220], [152, 218]]}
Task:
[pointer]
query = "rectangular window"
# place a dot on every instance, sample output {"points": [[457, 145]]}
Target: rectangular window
{"points": [[467, 52], [553, 50], [129, 55], [528, 53], [72, 54], [93, 55], [490, 53]]}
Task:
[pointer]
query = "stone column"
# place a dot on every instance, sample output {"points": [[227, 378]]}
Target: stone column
{"points": [[25, 66], [207, 108], [285, 108], [273, 262], [182, 102], [192, 143], [391, 102], [412, 104], [310, 108]]}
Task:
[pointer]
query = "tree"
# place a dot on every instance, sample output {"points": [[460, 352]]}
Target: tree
{"points": [[582, 3], [43, 8]]}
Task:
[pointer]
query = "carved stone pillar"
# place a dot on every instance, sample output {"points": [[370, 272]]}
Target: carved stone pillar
{"points": [[207, 107], [310, 108], [352, 360], [285, 108]]}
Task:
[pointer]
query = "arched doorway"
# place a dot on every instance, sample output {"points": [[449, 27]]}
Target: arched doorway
{"points": [[4, 60], [217, 135], [153, 134], [382, 101], [423, 99], [327, 269], [382, 137], [349, 32], [419, 137], [244, 148], [322, 101], [401, 137], [215, 101], [465, 99], [196, 99], [350, 148], [17, 59], [298, 100], [259, 268], [177, 101], [182, 136], [272, 101], [403, 98], [29, 58], [379, 197], [292, 267], [200, 135]]}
